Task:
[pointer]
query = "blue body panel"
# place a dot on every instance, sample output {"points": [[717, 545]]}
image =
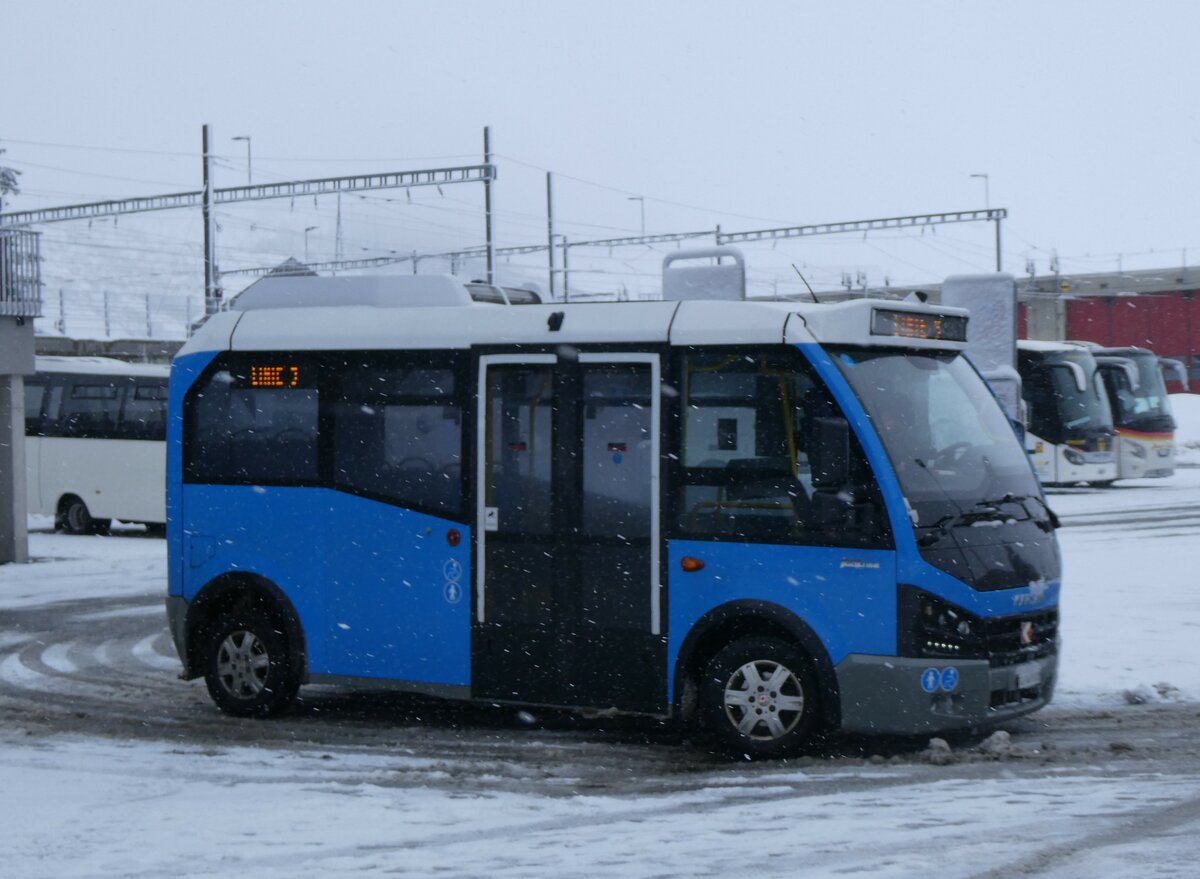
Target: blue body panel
{"points": [[184, 371], [379, 591], [846, 596]]}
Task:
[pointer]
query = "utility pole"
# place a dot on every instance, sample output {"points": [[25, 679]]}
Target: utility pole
{"points": [[641, 200], [550, 232], [487, 203], [566, 270], [212, 293]]}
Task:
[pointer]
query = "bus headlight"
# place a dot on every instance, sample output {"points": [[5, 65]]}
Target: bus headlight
{"points": [[1073, 456], [1137, 450], [931, 626]]}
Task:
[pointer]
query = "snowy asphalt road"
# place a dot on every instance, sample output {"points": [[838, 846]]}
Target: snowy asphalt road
{"points": [[125, 770]]}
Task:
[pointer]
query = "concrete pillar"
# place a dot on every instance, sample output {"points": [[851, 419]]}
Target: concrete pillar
{"points": [[1046, 318], [14, 536], [16, 360]]}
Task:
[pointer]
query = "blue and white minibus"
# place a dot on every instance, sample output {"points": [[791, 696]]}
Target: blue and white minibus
{"points": [[769, 519]]}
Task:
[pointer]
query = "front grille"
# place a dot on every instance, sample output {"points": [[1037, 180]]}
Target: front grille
{"points": [[1003, 637]]}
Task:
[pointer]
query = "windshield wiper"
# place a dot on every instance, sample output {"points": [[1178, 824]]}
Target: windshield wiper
{"points": [[983, 511], [988, 510]]}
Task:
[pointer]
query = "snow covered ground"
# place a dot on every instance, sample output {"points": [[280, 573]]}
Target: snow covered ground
{"points": [[91, 805]]}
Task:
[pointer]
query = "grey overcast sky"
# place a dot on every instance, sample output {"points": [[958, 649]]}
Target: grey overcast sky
{"points": [[1082, 114]]}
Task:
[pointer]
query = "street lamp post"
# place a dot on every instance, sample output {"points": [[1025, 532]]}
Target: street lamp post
{"points": [[246, 138], [987, 204], [307, 229], [987, 200], [641, 200]]}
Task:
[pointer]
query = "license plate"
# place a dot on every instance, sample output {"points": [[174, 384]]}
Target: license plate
{"points": [[1029, 676]]}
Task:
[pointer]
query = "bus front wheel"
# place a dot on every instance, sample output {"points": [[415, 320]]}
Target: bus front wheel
{"points": [[247, 665], [74, 518], [758, 698]]}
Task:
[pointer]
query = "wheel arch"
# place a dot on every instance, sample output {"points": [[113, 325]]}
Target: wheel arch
{"points": [[240, 589], [738, 619]]}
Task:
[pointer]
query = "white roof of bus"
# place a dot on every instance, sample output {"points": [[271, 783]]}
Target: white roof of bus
{"points": [[1038, 346], [99, 366], [301, 325]]}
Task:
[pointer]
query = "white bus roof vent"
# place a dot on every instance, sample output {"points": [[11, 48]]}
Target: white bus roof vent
{"points": [[718, 280], [378, 291]]}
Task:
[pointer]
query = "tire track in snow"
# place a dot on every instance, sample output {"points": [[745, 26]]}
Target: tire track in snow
{"points": [[1125, 828]]}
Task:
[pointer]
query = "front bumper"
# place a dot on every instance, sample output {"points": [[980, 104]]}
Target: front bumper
{"points": [[904, 696]]}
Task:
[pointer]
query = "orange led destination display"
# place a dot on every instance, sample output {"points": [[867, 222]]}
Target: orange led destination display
{"points": [[914, 325], [274, 376]]}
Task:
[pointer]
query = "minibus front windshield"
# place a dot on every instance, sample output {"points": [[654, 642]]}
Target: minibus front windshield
{"points": [[954, 452]]}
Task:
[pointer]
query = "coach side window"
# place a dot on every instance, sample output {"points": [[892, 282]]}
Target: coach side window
{"points": [[398, 433], [144, 411], [253, 423]]}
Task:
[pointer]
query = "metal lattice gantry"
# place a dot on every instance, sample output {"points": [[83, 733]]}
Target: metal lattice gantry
{"points": [[257, 192], [992, 214]]}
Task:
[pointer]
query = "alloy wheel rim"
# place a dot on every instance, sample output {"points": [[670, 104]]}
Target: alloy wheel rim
{"points": [[242, 664], [764, 700]]}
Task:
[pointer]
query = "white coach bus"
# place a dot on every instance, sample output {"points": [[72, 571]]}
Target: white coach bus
{"points": [[95, 449]]}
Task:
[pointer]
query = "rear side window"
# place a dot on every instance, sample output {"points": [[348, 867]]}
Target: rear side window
{"points": [[249, 423]]}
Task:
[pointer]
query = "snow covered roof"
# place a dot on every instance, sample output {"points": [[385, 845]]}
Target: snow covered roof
{"points": [[99, 366], [1039, 346]]}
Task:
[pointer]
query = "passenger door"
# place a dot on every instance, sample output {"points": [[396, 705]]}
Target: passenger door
{"points": [[567, 569]]}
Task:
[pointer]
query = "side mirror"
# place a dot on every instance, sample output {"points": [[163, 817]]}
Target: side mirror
{"points": [[829, 455]]}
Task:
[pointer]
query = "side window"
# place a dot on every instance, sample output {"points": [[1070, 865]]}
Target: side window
{"points": [[144, 412], [35, 392], [90, 406], [398, 434], [744, 471], [244, 428], [749, 423]]}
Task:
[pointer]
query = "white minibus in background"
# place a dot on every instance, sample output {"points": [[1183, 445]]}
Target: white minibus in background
{"points": [[95, 449]]}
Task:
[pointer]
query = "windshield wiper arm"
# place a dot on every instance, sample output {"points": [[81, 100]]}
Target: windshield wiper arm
{"points": [[1050, 523], [938, 529]]}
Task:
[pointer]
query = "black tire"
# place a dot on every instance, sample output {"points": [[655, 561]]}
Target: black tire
{"points": [[75, 518], [758, 698], [247, 664]]}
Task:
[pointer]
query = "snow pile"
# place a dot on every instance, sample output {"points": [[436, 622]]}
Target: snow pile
{"points": [[1186, 409]]}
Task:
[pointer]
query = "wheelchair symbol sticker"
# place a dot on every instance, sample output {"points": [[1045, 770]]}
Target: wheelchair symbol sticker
{"points": [[452, 570]]}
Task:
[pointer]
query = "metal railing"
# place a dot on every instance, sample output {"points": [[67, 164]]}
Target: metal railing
{"points": [[20, 274]]}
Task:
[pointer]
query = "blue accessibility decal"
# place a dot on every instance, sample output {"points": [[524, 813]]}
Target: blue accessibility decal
{"points": [[930, 680], [949, 679]]}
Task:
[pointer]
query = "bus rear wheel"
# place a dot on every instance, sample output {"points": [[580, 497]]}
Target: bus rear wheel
{"points": [[247, 665], [758, 698], [74, 518]]}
